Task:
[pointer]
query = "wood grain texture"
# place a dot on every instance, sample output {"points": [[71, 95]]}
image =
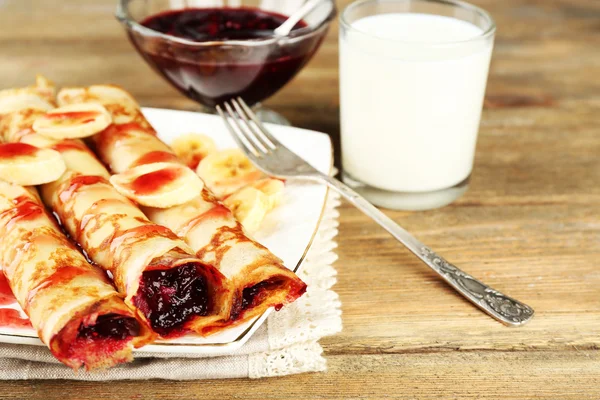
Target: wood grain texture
{"points": [[529, 225]]}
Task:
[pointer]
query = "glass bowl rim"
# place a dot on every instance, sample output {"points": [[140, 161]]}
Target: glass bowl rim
{"points": [[484, 35], [122, 14]]}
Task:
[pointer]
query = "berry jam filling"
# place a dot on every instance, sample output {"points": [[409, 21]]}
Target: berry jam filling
{"points": [[169, 298], [254, 295], [111, 326]]}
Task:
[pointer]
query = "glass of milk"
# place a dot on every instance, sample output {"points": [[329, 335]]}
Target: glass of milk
{"points": [[412, 82]]}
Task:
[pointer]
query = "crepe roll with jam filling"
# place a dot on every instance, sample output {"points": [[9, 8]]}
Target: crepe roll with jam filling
{"points": [[71, 304]]}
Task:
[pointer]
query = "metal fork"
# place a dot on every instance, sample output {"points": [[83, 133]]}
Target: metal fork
{"points": [[273, 158]]}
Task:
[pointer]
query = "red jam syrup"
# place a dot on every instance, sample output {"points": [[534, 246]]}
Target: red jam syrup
{"points": [[156, 157], [25, 210], [77, 182], [152, 182], [10, 318], [9, 150], [69, 145], [75, 116], [6, 295], [213, 74]]}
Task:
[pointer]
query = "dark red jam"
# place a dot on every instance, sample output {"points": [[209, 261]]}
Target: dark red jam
{"points": [[254, 295], [213, 74], [111, 326], [171, 297]]}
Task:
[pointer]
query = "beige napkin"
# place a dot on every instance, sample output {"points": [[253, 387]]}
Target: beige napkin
{"points": [[286, 344]]}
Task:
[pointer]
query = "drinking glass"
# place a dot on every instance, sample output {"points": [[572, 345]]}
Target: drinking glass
{"points": [[412, 82], [212, 71]]}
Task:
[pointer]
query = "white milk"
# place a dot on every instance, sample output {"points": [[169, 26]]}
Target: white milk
{"points": [[410, 104]]}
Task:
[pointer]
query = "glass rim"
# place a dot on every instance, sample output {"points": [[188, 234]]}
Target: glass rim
{"points": [[122, 14], [490, 31]]}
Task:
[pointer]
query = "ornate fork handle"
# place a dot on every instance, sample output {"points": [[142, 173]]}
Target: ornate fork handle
{"points": [[505, 309]]}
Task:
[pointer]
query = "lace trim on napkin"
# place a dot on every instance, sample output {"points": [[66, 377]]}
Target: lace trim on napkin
{"points": [[294, 330]]}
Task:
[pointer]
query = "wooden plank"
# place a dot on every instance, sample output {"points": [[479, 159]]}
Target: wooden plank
{"points": [[454, 375]]}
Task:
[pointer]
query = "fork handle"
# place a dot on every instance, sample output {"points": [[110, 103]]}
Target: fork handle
{"points": [[505, 309]]}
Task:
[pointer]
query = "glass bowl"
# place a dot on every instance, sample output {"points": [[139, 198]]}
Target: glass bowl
{"points": [[212, 71]]}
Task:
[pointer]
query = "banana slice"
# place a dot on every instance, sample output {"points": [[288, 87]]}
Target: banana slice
{"points": [[159, 185], [39, 141], [122, 107], [75, 154], [193, 147], [272, 188], [96, 93], [40, 96], [73, 121], [249, 205], [20, 101], [27, 165], [18, 124], [226, 171], [70, 95]]}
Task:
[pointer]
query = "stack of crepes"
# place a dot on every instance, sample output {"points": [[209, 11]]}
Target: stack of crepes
{"points": [[180, 264], [131, 149]]}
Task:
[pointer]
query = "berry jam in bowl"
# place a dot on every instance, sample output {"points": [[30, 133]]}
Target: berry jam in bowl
{"points": [[215, 54]]}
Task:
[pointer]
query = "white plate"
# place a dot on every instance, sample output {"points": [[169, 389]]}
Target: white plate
{"points": [[287, 231]]}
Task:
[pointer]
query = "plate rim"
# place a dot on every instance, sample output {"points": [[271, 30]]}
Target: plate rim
{"points": [[166, 347]]}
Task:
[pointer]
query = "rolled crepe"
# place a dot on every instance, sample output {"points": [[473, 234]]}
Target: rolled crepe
{"points": [[259, 279], [155, 271], [72, 304]]}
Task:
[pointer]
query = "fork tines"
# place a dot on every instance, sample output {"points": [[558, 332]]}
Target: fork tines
{"points": [[246, 129]]}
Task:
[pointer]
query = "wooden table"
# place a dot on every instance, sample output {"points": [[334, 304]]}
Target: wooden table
{"points": [[529, 225]]}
